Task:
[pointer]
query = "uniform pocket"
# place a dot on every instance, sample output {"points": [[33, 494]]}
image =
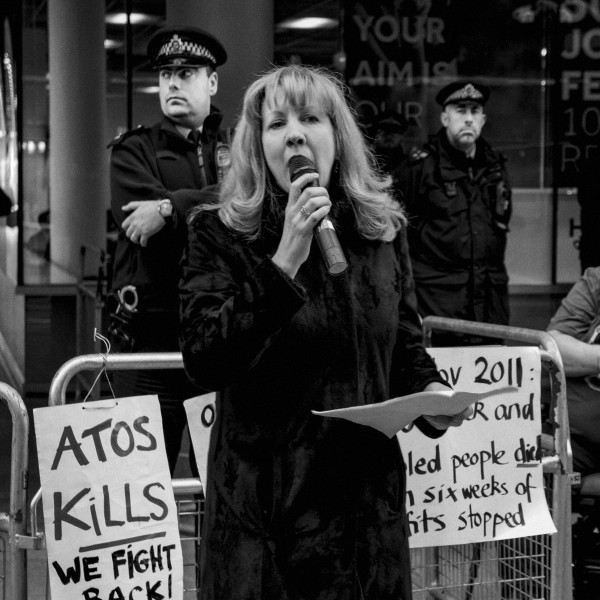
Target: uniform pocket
{"points": [[448, 199]]}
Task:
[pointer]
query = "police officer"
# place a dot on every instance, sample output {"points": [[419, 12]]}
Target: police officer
{"points": [[156, 176], [458, 200], [387, 132]]}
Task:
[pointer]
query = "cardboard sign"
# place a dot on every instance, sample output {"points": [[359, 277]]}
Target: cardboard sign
{"points": [[201, 414], [110, 515], [483, 480]]}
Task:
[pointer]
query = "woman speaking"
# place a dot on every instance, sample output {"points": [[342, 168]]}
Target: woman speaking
{"points": [[299, 506]]}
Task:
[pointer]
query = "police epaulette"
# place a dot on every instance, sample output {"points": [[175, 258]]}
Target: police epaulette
{"points": [[126, 134], [417, 155]]}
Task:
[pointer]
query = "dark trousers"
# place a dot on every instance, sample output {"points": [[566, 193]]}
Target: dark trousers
{"points": [[157, 333], [172, 388]]}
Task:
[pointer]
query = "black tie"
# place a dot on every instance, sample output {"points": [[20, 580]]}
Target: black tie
{"points": [[195, 137]]}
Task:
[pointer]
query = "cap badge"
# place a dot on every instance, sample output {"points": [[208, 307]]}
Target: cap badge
{"points": [[467, 92], [470, 91]]}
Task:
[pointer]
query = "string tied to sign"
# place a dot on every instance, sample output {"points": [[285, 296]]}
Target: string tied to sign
{"points": [[104, 370]]}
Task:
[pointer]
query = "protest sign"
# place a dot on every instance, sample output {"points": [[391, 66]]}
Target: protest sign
{"points": [[109, 512], [201, 414], [483, 480]]}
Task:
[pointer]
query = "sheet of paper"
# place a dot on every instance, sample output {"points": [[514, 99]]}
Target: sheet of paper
{"points": [[201, 414], [393, 415]]}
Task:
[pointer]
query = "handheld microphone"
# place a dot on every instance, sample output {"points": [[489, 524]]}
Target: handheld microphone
{"points": [[324, 232]]}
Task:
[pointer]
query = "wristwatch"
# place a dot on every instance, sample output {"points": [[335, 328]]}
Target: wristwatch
{"points": [[165, 208]]}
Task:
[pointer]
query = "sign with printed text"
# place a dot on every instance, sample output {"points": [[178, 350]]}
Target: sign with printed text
{"points": [[201, 414], [483, 480], [576, 114], [394, 52], [109, 512]]}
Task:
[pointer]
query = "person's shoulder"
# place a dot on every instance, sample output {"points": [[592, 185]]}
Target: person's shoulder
{"points": [[428, 151], [493, 154], [213, 122], [413, 162], [418, 155], [131, 134], [409, 168], [592, 276]]}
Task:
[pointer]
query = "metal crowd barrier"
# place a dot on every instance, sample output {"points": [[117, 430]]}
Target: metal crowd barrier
{"points": [[188, 492], [540, 564], [13, 524], [528, 568]]}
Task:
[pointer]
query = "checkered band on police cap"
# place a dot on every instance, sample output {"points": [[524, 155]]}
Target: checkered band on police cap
{"points": [[463, 91], [185, 46], [468, 92], [177, 48]]}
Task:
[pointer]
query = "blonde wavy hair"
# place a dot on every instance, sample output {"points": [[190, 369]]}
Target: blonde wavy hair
{"points": [[248, 182]]}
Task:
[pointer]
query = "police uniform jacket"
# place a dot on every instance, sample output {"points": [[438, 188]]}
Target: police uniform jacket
{"points": [[301, 506], [459, 209], [152, 163]]}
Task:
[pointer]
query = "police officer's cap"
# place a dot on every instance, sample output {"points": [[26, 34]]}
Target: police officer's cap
{"points": [[185, 46], [390, 120], [463, 91]]}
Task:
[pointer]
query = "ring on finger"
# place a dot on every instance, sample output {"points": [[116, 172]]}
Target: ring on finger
{"points": [[304, 212]]}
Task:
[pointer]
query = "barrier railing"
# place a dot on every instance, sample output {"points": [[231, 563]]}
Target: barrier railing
{"points": [[550, 555], [191, 486], [14, 522], [541, 562]]}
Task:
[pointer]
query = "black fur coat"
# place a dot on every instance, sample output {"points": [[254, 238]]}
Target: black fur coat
{"points": [[301, 507]]}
